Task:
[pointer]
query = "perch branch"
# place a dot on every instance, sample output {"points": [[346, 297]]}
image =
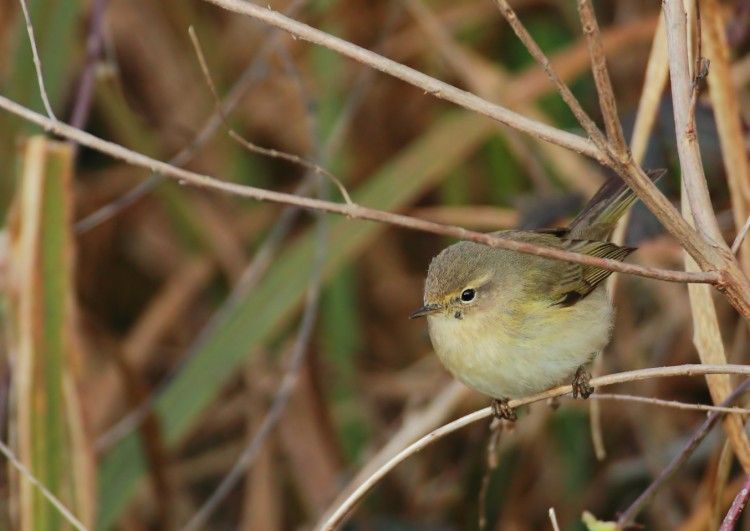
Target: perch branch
{"points": [[352, 211], [732, 282], [632, 511], [338, 516]]}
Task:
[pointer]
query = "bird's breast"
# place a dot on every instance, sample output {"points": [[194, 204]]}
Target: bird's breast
{"points": [[514, 351]]}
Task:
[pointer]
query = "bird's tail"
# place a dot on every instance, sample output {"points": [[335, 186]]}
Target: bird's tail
{"points": [[598, 218]]}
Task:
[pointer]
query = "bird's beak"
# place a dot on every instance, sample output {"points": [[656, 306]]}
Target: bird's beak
{"points": [[427, 309]]}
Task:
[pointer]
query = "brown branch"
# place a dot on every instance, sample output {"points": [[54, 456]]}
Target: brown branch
{"points": [[735, 511], [603, 83], [708, 254], [536, 52], [632, 511], [28, 476], [339, 515], [699, 210], [252, 74], [352, 211], [674, 404], [250, 146], [630, 172], [429, 84], [687, 143], [732, 281]]}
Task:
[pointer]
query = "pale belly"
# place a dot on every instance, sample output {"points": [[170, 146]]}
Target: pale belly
{"points": [[498, 356]]}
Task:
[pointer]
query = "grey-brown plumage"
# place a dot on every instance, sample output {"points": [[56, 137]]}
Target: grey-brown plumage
{"points": [[508, 323]]}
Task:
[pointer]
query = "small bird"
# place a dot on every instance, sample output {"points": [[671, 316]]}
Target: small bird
{"points": [[510, 324]]}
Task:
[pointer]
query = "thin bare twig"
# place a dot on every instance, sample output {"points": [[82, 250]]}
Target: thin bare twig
{"points": [[429, 84], [628, 170], [338, 516], [265, 253], [710, 258], [733, 515], [250, 146], [252, 73], [536, 52], [489, 84], [607, 101], [54, 500], [413, 427], [628, 516], [553, 519], [37, 61], [669, 403], [353, 211], [291, 375]]}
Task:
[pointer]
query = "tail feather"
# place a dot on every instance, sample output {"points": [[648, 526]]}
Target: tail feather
{"points": [[598, 218]]}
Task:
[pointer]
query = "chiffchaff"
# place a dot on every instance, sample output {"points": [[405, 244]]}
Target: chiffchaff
{"points": [[510, 324]]}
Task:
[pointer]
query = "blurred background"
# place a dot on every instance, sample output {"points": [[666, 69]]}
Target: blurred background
{"points": [[168, 318]]}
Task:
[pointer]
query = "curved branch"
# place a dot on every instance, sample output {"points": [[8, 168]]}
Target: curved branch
{"points": [[350, 210], [430, 85], [338, 516]]}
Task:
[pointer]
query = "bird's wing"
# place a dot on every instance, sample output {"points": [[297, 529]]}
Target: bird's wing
{"points": [[564, 283], [575, 281]]}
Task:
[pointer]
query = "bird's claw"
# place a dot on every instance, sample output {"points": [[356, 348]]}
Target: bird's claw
{"points": [[581, 383], [502, 410]]}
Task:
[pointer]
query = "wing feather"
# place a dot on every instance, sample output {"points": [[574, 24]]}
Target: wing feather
{"points": [[576, 280]]}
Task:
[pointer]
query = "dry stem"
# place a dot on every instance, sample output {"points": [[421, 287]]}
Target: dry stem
{"points": [[733, 515], [268, 152], [54, 500], [338, 516], [631, 512], [607, 101], [351, 211], [429, 84], [37, 60], [687, 144]]}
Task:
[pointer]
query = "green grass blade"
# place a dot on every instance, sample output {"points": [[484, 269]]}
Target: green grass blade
{"points": [[48, 438]]}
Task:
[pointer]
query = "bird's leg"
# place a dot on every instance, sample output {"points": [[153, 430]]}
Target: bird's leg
{"points": [[502, 410], [581, 385]]}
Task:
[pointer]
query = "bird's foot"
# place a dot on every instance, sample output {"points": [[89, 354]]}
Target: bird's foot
{"points": [[502, 410], [581, 383]]}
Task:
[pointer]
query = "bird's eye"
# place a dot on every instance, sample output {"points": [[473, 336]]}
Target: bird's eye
{"points": [[468, 295]]}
